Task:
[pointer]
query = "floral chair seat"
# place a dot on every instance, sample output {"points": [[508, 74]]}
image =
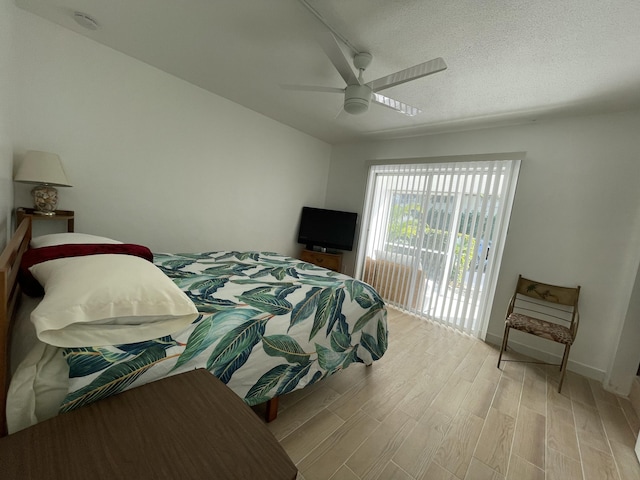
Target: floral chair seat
{"points": [[541, 328]]}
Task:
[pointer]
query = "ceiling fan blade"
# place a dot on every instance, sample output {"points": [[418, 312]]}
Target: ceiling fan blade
{"points": [[312, 88], [332, 49], [396, 105], [408, 74]]}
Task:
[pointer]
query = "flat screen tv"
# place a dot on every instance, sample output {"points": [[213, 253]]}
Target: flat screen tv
{"points": [[327, 229]]}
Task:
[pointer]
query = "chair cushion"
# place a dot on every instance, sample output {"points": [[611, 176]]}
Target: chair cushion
{"points": [[541, 328]]}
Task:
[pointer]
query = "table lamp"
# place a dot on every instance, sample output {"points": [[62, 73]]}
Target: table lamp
{"points": [[45, 170]]}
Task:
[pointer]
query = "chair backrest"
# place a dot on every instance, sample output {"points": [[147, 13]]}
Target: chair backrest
{"points": [[545, 301]]}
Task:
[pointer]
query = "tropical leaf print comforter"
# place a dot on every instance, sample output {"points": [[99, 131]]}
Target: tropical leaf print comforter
{"points": [[269, 325]]}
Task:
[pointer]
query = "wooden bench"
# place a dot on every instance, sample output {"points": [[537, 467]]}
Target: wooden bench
{"points": [[187, 426], [392, 280]]}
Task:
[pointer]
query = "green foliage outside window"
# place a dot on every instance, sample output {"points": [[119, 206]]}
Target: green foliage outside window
{"points": [[404, 228]]}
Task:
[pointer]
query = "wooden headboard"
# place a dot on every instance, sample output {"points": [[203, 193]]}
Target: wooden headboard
{"points": [[9, 301]]}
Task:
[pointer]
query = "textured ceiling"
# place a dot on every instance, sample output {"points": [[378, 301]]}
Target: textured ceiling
{"points": [[508, 61]]}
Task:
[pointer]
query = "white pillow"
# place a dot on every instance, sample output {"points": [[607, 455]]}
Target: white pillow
{"points": [[65, 238], [109, 299]]}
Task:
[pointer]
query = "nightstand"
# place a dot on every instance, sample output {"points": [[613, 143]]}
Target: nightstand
{"points": [[187, 426], [67, 215]]}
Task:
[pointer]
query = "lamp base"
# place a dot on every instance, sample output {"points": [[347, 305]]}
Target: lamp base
{"points": [[45, 199]]}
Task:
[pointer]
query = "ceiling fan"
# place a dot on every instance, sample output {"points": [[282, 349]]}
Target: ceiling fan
{"points": [[359, 95]]}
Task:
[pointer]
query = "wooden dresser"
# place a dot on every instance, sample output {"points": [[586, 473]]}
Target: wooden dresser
{"points": [[188, 426], [332, 261]]}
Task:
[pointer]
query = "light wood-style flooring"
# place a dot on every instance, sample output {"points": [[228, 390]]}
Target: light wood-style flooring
{"points": [[436, 407]]}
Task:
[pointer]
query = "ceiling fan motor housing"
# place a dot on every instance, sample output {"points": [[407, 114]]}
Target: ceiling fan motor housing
{"points": [[357, 99]]}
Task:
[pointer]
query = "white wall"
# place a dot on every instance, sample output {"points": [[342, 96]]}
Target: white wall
{"points": [[575, 220], [6, 158], [153, 159]]}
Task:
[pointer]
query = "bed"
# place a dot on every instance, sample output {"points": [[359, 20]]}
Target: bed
{"points": [[265, 324]]}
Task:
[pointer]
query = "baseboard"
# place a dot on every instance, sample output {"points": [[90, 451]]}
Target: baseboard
{"points": [[543, 356]]}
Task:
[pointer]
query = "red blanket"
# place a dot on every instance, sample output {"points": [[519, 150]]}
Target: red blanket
{"points": [[30, 285]]}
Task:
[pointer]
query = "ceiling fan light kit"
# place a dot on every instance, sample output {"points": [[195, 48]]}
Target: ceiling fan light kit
{"points": [[357, 99]]}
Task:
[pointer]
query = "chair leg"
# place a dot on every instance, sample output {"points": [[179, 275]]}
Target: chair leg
{"points": [[563, 365], [505, 337]]}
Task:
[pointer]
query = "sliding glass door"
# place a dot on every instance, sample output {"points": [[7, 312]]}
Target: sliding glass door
{"points": [[432, 237]]}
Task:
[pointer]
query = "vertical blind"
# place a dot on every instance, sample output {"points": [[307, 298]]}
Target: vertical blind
{"points": [[433, 234]]}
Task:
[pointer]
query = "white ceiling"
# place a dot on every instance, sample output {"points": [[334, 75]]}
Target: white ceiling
{"points": [[508, 61]]}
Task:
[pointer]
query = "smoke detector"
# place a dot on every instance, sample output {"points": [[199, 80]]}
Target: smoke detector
{"points": [[85, 20]]}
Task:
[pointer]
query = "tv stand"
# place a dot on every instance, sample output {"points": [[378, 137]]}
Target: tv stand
{"points": [[332, 261]]}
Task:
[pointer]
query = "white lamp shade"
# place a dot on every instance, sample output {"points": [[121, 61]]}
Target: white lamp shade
{"points": [[42, 168]]}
